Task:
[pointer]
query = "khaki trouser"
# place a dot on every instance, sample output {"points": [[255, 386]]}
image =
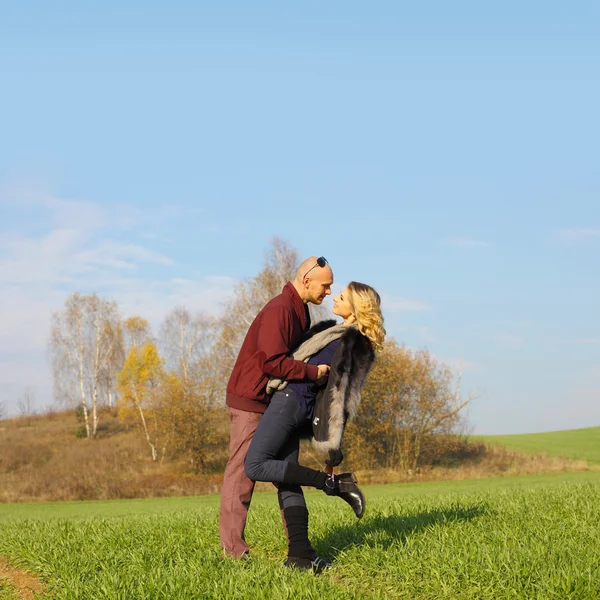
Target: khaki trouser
{"points": [[236, 493]]}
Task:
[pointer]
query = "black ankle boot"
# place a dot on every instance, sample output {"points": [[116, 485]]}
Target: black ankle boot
{"points": [[345, 487]]}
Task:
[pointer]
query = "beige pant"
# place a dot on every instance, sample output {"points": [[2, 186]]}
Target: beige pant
{"points": [[236, 493]]}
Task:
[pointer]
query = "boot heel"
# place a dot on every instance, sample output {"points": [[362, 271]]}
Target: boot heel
{"points": [[345, 487]]}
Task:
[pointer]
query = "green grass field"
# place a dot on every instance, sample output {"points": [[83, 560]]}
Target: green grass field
{"points": [[571, 443], [527, 537]]}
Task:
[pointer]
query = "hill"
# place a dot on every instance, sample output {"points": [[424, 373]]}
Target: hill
{"points": [[44, 457], [577, 444]]}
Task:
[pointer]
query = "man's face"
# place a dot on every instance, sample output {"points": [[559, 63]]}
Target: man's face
{"points": [[318, 284]]}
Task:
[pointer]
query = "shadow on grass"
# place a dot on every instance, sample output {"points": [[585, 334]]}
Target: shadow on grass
{"points": [[385, 531]]}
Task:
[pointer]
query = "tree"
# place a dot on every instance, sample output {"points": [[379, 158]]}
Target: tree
{"points": [[3, 411], [82, 344], [26, 405], [138, 383], [114, 361], [190, 395], [434, 403], [250, 295], [408, 396], [186, 340], [136, 332], [195, 423], [26, 402]]}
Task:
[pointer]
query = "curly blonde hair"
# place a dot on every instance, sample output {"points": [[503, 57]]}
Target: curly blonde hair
{"points": [[366, 306]]}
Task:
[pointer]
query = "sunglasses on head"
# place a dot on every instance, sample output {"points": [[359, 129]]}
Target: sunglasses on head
{"points": [[321, 262]]}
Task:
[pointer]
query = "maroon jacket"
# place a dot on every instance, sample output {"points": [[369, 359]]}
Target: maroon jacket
{"points": [[274, 333]]}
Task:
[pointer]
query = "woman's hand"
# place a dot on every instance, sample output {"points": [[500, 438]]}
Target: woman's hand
{"points": [[335, 458], [322, 374]]}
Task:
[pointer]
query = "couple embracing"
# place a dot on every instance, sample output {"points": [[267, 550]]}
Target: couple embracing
{"points": [[291, 381]]}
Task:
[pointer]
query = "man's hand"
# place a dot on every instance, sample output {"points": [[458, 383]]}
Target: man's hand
{"points": [[322, 374]]}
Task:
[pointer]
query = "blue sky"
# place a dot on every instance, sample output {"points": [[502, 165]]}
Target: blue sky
{"points": [[447, 154]]}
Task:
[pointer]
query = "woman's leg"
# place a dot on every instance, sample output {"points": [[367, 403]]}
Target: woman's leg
{"points": [[290, 494], [274, 439], [294, 512], [273, 450]]}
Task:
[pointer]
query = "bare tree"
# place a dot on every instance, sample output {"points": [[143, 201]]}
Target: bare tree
{"points": [[433, 407], [250, 296], [185, 340], [3, 411], [26, 403], [114, 361], [81, 344], [408, 398]]}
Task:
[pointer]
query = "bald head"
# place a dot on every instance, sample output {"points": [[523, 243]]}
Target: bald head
{"points": [[313, 282]]}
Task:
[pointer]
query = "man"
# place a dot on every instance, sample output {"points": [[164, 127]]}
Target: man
{"points": [[275, 331]]}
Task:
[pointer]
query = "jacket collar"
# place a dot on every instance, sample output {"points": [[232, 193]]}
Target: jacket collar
{"points": [[300, 308]]}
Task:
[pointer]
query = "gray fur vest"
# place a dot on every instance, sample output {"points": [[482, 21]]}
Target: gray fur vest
{"points": [[337, 402]]}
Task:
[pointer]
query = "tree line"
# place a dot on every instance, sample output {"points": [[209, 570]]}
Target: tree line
{"points": [[171, 386]]}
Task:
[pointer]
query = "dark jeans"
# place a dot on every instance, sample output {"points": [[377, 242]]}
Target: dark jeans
{"points": [[276, 441]]}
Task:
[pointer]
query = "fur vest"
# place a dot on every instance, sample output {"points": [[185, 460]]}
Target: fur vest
{"points": [[337, 402]]}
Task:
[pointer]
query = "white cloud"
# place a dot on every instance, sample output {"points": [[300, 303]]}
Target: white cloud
{"points": [[578, 234], [466, 242], [153, 300], [399, 304], [63, 254], [55, 247], [111, 253], [45, 208]]}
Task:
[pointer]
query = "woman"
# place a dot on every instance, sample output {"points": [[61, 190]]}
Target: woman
{"points": [[349, 348]]}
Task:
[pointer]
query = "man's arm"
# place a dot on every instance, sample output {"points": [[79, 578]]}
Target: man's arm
{"points": [[274, 348]]}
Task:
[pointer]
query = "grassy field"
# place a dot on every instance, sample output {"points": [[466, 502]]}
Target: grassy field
{"points": [[527, 537], [571, 443]]}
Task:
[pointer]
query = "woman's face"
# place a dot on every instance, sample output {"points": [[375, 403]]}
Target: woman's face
{"points": [[341, 304]]}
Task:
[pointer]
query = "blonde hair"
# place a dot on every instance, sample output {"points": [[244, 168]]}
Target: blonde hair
{"points": [[366, 306]]}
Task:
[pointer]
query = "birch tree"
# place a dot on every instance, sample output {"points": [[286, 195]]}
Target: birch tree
{"points": [[136, 332], [191, 393], [114, 362], [138, 382], [81, 348], [186, 340]]}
